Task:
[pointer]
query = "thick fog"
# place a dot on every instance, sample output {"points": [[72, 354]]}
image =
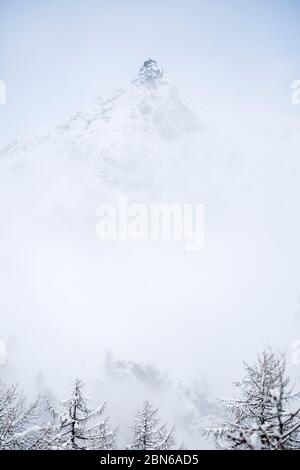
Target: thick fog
{"points": [[148, 319]]}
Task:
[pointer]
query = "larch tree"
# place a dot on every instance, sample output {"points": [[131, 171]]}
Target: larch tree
{"points": [[77, 427], [266, 415], [19, 428], [149, 433]]}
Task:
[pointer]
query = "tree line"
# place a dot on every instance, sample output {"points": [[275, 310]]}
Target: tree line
{"points": [[264, 416], [72, 425]]}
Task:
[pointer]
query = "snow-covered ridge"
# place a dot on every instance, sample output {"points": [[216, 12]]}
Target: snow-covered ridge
{"points": [[120, 136]]}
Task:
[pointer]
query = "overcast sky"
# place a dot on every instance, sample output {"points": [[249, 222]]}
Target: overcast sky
{"points": [[227, 57]]}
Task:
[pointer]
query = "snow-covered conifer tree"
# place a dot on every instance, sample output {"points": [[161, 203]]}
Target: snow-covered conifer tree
{"points": [[75, 426], [150, 73], [265, 416], [18, 421], [148, 433]]}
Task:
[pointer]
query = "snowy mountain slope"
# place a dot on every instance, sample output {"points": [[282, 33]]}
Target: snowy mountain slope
{"points": [[184, 405], [120, 140]]}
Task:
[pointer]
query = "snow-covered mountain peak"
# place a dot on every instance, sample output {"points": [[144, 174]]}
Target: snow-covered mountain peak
{"points": [[120, 140]]}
